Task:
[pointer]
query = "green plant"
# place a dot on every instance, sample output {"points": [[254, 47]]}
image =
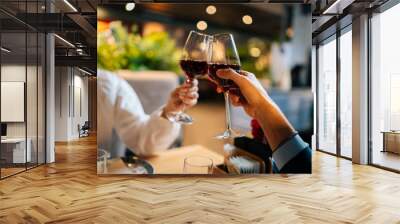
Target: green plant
{"points": [[118, 49], [257, 65]]}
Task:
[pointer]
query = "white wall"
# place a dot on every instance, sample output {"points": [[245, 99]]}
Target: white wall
{"points": [[80, 110], [62, 81], [71, 102]]}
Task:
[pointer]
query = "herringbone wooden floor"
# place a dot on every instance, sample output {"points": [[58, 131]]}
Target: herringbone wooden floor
{"points": [[69, 191]]}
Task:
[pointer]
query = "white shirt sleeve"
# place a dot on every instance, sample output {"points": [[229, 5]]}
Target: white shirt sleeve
{"points": [[142, 133]]}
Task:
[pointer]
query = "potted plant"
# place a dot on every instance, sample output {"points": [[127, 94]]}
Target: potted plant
{"points": [[119, 49], [150, 62]]}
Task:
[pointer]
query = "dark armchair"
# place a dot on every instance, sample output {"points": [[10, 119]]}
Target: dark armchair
{"points": [[84, 129]]}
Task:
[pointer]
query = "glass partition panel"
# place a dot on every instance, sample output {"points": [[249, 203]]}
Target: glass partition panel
{"points": [[32, 98], [22, 64], [32, 86], [41, 99], [15, 151]]}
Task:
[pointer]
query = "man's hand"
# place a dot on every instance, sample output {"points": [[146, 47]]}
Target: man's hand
{"points": [[253, 92], [182, 98]]}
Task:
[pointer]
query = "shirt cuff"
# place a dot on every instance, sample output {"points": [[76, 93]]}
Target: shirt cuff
{"points": [[162, 121], [288, 150]]}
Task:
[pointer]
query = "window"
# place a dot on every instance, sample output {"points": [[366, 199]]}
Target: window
{"points": [[385, 89], [334, 106], [327, 96], [346, 94]]}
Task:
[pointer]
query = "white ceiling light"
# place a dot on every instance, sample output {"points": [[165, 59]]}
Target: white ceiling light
{"points": [[5, 50], [65, 41], [79, 51], [70, 5], [201, 25], [211, 9], [337, 7], [247, 19], [129, 6]]}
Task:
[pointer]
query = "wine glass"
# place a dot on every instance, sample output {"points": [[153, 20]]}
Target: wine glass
{"points": [[223, 56], [102, 157], [197, 165], [195, 57]]}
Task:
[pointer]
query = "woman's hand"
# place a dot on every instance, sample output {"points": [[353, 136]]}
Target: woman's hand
{"points": [[251, 89], [182, 98]]}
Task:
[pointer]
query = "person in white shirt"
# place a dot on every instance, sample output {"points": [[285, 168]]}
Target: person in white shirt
{"points": [[123, 124]]}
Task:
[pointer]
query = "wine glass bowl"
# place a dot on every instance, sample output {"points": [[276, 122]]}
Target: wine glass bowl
{"points": [[194, 69], [195, 55], [197, 165], [226, 84]]}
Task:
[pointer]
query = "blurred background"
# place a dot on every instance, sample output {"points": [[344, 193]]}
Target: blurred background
{"points": [[142, 43]]}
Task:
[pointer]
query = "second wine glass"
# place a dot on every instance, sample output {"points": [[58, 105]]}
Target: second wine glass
{"points": [[224, 55]]}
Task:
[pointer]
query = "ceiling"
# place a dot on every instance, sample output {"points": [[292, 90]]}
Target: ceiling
{"points": [[76, 22], [330, 16], [269, 20]]}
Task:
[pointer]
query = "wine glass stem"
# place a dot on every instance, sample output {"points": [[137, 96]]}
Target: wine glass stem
{"points": [[189, 81], [227, 111]]}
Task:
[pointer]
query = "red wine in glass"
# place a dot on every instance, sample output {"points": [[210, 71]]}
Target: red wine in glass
{"points": [[193, 68], [225, 83]]}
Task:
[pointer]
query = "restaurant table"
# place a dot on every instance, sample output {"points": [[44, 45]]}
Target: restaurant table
{"points": [[168, 162]]}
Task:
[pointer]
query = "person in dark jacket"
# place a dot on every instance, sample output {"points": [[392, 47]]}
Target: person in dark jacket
{"points": [[290, 153]]}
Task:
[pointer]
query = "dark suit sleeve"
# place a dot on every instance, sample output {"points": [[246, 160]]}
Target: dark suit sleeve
{"points": [[301, 163], [293, 156]]}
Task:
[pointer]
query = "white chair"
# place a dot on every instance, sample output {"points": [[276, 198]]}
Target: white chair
{"points": [[152, 87]]}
